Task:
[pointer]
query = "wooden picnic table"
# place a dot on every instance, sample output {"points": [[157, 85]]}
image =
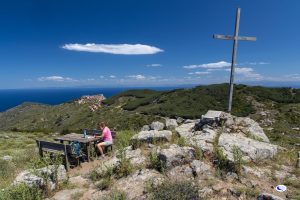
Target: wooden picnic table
{"points": [[87, 141]]}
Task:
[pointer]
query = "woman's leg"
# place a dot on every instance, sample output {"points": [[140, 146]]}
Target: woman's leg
{"points": [[100, 147]]}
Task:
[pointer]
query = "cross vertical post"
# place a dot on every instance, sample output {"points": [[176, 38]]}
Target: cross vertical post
{"points": [[235, 42], [235, 39]]}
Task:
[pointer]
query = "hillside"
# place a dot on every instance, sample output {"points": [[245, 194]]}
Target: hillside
{"points": [[134, 108]]}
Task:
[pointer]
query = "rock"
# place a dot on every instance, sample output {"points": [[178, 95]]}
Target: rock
{"points": [[200, 168], [111, 163], [134, 185], [203, 139], [145, 128], [185, 130], [206, 191], [171, 123], [7, 158], [267, 196], [259, 172], [79, 181], [211, 118], [135, 156], [252, 128], [67, 194], [252, 150], [179, 120], [30, 178], [180, 173], [6, 137], [217, 187], [176, 155], [192, 121], [230, 176], [152, 136], [234, 192], [157, 126]]}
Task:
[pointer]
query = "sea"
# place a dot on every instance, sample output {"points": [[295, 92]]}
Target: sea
{"points": [[10, 98]]}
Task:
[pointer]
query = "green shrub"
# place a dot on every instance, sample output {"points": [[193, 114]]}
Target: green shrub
{"points": [[7, 172], [174, 190], [104, 183], [156, 163], [115, 195], [238, 159], [124, 167], [21, 192], [198, 153], [123, 139]]}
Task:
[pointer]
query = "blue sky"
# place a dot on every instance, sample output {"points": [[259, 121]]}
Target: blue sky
{"points": [[58, 43]]}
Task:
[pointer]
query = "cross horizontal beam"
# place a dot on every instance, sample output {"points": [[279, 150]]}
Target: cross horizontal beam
{"points": [[229, 37]]}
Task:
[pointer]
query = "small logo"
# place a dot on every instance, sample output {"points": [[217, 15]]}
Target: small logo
{"points": [[280, 188]]}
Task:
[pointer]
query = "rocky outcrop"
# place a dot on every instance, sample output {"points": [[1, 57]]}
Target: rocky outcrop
{"points": [[135, 156], [185, 130], [134, 185], [267, 196], [152, 136], [145, 128], [171, 123], [244, 125], [200, 168], [203, 139], [157, 126], [48, 175], [176, 155], [252, 150]]}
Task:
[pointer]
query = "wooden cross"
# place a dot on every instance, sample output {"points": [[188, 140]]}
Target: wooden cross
{"points": [[235, 39]]}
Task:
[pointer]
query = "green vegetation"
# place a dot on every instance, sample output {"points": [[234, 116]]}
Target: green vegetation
{"points": [[77, 195], [21, 192], [238, 159], [156, 163], [132, 109], [174, 191], [124, 168], [115, 195]]}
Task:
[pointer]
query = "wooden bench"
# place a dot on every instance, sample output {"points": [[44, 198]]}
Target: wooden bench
{"points": [[52, 147]]}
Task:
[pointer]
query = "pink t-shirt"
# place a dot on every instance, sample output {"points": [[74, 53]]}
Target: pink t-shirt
{"points": [[107, 135]]}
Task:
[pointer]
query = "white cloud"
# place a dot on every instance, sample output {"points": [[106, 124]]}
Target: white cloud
{"points": [[137, 77], [217, 65], [55, 78], [247, 72], [112, 76], [293, 76], [154, 65], [199, 73], [123, 49]]}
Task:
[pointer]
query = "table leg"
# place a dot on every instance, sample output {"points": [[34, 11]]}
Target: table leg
{"points": [[88, 151]]}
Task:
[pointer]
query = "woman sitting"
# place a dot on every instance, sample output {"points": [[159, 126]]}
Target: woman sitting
{"points": [[106, 138]]}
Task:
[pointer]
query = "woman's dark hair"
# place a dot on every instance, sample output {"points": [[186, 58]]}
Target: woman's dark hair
{"points": [[102, 124]]}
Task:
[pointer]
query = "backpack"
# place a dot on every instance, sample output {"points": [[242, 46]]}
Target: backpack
{"points": [[75, 147]]}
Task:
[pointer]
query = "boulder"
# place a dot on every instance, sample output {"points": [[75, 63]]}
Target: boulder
{"points": [[135, 156], [185, 130], [251, 128], [29, 179], [37, 177], [151, 136], [176, 155], [157, 126], [7, 158], [171, 123], [145, 128], [179, 120], [267, 196], [135, 184], [252, 150], [180, 173], [200, 168], [203, 139]]}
